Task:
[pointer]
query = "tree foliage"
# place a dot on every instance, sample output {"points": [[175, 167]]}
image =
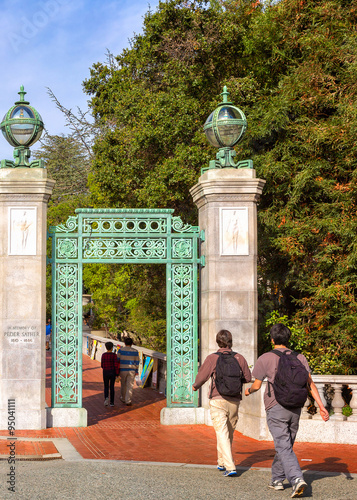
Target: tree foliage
{"points": [[155, 96], [303, 141], [292, 67], [67, 162], [129, 297]]}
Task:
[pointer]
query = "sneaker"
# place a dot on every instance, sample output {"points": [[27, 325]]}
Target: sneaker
{"points": [[128, 404], [221, 467], [276, 485], [298, 487], [111, 404], [106, 401], [122, 399], [230, 473]]}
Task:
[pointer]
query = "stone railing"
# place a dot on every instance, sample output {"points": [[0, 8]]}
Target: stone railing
{"points": [[157, 378], [336, 391]]}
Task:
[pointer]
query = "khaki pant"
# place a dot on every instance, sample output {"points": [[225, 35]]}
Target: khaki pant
{"points": [[224, 415], [127, 382]]}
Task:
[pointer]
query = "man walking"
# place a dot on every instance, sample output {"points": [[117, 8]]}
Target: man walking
{"points": [[223, 408], [283, 421], [110, 365], [129, 363]]}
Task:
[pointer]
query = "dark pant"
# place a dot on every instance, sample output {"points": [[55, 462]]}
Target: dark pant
{"points": [[283, 425], [109, 381]]}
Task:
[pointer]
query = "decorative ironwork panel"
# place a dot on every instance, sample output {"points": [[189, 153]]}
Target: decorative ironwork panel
{"points": [[180, 227], [182, 340], [121, 235], [125, 248], [124, 225], [65, 331], [70, 225], [67, 248], [182, 248]]}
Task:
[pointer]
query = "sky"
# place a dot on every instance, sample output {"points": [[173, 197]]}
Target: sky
{"points": [[53, 44]]}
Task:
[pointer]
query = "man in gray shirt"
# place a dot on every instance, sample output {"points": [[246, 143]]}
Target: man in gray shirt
{"points": [[283, 422]]}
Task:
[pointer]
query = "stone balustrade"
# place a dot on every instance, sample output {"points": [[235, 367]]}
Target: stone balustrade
{"points": [[336, 391]]}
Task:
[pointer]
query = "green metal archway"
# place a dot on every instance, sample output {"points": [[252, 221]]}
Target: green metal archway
{"points": [[125, 236]]}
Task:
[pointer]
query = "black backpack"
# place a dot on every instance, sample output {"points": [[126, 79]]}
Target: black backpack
{"points": [[290, 383], [229, 375]]}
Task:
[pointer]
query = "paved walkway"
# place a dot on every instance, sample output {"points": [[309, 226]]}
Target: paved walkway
{"points": [[135, 433]]}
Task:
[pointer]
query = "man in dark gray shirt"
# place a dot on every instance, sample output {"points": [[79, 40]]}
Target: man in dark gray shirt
{"points": [[283, 422]]}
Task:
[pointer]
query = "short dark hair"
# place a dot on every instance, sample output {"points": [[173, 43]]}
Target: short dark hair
{"points": [[280, 334], [128, 341], [224, 338], [109, 346]]}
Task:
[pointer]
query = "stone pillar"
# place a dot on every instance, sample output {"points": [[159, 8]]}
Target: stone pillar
{"points": [[227, 202], [24, 194]]}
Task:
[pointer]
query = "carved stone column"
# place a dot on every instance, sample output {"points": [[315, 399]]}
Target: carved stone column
{"points": [[338, 403], [320, 387], [353, 403], [304, 410], [24, 194], [227, 202]]}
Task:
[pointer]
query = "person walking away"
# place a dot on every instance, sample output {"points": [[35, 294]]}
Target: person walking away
{"points": [[224, 397], [129, 365], [283, 415], [110, 366]]}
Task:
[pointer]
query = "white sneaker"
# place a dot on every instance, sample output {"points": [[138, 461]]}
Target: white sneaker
{"points": [[298, 487], [276, 485], [106, 401]]}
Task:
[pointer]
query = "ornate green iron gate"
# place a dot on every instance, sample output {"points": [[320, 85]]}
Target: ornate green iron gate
{"points": [[122, 236]]}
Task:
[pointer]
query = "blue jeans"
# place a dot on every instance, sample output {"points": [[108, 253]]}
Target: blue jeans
{"points": [[283, 425]]}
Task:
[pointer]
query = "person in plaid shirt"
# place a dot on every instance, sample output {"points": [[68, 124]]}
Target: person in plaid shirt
{"points": [[110, 367]]}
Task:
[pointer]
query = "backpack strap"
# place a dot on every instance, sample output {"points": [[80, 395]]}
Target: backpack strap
{"points": [[211, 391]]}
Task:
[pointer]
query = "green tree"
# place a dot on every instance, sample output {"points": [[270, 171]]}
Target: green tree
{"points": [[303, 141], [291, 66], [128, 297], [67, 162], [153, 100]]}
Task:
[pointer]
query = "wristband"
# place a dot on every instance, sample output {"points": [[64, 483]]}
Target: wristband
{"points": [[249, 390]]}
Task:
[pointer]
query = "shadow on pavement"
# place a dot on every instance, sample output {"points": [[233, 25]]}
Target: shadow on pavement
{"points": [[329, 464], [256, 458]]}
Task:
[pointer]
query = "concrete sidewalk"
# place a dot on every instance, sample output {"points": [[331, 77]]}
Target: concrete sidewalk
{"points": [[106, 479], [134, 433]]}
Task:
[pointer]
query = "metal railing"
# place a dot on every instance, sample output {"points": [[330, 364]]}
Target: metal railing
{"points": [[157, 379]]}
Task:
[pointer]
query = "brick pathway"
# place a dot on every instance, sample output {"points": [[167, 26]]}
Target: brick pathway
{"points": [[135, 433]]}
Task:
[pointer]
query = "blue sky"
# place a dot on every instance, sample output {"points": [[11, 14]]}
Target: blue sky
{"points": [[53, 43]]}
